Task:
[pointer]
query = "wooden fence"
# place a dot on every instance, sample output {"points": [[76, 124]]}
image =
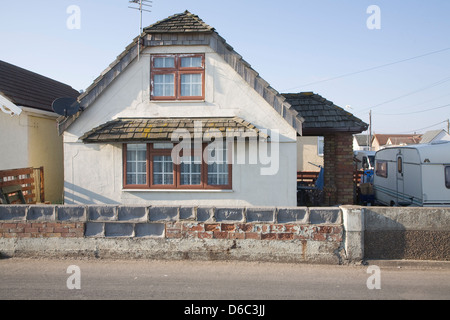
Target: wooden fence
{"points": [[310, 177], [30, 179]]}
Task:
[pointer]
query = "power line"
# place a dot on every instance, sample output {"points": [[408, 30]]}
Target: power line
{"points": [[369, 69], [408, 94], [414, 112], [434, 125]]}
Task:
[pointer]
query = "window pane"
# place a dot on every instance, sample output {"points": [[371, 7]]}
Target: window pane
{"points": [[163, 146], [190, 171], [162, 170], [136, 164], [447, 177], [381, 169], [164, 62], [191, 85], [164, 85], [191, 62], [218, 171]]}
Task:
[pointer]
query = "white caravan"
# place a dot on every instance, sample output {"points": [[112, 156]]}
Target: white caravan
{"points": [[415, 175]]}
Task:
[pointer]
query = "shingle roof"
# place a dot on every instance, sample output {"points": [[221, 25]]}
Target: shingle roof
{"points": [[362, 139], [323, 116], [428, 136], [29, 89], [383, 138], [179, 23], [135, 130]]}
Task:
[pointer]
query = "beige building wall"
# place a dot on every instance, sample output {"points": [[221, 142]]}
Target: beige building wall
{"points": [[308, 151], [45, 149]]}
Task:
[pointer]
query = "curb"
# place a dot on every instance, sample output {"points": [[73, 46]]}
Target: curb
{"points": [[411, 264]]}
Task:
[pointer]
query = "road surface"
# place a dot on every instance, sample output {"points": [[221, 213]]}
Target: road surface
{"points": [[214, 280]]}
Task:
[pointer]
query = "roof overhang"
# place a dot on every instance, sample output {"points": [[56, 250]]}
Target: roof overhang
{"points": [[172, 129], [8, 107]]}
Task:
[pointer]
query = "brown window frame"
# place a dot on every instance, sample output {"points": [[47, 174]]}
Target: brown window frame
{"points": [[177, 71], [152, 152]]}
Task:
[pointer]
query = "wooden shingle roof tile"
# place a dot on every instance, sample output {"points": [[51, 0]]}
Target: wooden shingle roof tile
{"points": [[161, 129]]}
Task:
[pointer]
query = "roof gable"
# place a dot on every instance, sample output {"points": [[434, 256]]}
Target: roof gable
{"points": [[29, 89], [186, 29]]}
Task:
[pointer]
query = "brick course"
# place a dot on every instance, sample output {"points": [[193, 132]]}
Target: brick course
{"points": [[42, 230]]}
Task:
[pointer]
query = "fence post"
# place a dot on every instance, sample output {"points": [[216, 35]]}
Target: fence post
{"points": [[41, 187], [353, 218]]}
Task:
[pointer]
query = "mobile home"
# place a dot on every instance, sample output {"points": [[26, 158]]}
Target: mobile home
{"points": [[415, 175]]}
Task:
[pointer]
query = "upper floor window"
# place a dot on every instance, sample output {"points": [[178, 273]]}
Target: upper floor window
{"points": [[178, 77]]}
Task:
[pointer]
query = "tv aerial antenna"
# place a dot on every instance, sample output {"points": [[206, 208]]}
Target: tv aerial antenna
{"points": [[142, 6]]}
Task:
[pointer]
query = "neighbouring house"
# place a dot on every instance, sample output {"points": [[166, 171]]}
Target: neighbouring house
{"points": [[29, 135], [325, 119], [181, 77], [309, 153], [381, 141], [435, 135], [361, 142]]}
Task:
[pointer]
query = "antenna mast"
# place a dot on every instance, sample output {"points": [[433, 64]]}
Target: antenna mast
{"points": [[141, 5]]}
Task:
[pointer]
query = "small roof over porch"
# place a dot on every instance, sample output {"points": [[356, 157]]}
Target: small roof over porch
{"points": [[323, 118]]}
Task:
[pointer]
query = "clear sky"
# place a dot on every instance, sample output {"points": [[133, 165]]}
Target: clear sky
{"points": [[400, 71]]}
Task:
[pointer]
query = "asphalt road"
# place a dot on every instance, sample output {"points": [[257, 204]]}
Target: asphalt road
{"points": [[213, 280]]}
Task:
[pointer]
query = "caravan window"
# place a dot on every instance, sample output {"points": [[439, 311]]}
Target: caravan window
{"points": [[447, 177], [382, 169]]}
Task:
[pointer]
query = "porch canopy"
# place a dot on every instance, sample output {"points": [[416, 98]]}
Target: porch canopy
{"points": [[337, 126], [160, 129]]}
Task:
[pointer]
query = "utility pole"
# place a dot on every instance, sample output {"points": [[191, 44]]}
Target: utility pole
{"points": [[448, 126], [370, 130]]}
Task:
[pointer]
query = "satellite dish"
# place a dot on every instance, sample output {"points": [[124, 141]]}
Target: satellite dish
{"points": [[66, 106]]}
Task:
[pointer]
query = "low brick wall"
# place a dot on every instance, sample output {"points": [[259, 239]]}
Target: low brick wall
{"points": [[173, 232]]}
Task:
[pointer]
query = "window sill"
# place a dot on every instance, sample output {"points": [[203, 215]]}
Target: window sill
{"points": [[180, 190]]}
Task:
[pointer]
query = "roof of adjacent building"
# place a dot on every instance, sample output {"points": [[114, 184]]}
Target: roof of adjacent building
{"points": [[154, 129], [362, 140], [429, 136], [383, 139], [323, 116], [28, 89], [185, 29]]}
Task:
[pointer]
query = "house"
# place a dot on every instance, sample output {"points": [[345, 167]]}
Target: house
{"points": [[435, 135], [309, 153], [29, 137], [180, 78], [361, 142], [381, 141], [325, 119]]}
